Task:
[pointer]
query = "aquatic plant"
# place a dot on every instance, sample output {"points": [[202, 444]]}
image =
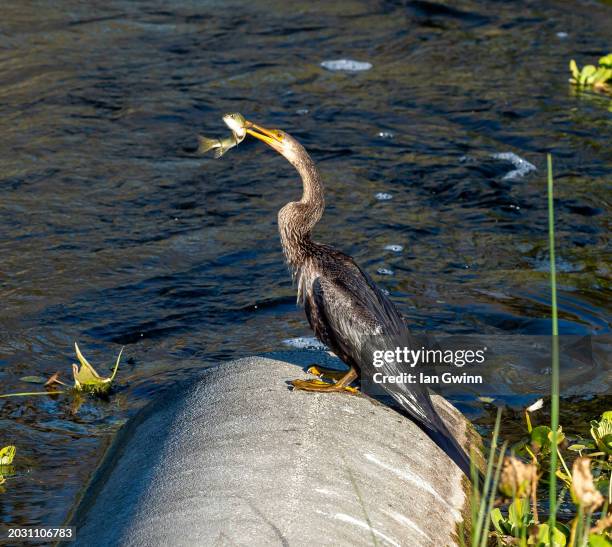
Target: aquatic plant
{"points": [[598, 77], [482, 501], [513, 483], [7, 454], [518, 480], [584, 486], [554, 382], [522, 521], [86, 379], [601, 431]]}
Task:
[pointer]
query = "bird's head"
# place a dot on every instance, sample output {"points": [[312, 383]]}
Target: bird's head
{"points": [[280, 141]]}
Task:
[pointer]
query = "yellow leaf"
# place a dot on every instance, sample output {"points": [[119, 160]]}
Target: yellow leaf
{"points": [[87, 379], [7, 454], [574, 70]]}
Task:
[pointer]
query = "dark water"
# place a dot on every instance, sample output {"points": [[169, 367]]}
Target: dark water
{"points": [[112, 232]]}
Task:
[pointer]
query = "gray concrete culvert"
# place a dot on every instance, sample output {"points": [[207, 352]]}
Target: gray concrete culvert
{"points": [[237, 458]]}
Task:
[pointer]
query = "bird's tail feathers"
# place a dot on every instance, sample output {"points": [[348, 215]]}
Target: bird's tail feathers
{"points": [[418, 407], [447, 442]]}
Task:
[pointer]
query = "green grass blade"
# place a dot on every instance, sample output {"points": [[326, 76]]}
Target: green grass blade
{"points": [[485, 531], [28, 393], [554, 418], [475, 497], [117, 364], [482, 516]]}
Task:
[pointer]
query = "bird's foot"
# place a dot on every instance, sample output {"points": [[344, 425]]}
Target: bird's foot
{"points": [[320, 385], [342, 384], [327, 373]]}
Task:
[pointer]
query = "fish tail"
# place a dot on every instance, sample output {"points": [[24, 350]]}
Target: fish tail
{"points": [[219, 152], [205, 144]]}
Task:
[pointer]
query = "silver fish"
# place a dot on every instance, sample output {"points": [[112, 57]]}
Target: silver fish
{"points": [[220, 146], [237, 124]]}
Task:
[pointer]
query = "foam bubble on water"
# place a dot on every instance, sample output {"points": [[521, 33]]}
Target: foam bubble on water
{"points": [[562, 34], [302, 111], [305, 342], [383, 196], [347, 65], [523, 167], [394, 248], [385, 134], [385, 271]]}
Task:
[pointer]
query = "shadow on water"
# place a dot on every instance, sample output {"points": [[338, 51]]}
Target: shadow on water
{"points": [[113, 233]]}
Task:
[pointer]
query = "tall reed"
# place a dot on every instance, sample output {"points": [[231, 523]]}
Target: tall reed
{"points": [[554, 397]]}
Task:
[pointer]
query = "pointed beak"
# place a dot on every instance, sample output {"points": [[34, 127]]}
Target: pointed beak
{"points": [[268, 136]]}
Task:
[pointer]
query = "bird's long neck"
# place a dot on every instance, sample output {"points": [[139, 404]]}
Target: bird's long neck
{"points": [[297, 219]]}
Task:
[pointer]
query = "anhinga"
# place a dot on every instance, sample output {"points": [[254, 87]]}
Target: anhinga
{"points": [[345, 309]]}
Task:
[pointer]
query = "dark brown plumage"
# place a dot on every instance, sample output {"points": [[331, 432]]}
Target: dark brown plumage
{"points": [[344, 307]]}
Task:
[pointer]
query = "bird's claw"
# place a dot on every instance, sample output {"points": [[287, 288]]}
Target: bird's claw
{"points": [[326, 373], [320, 385]]}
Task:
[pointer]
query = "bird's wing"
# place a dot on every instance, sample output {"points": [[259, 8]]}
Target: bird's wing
{"points": [[339, 319], [354, 318], [345, 307]]}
